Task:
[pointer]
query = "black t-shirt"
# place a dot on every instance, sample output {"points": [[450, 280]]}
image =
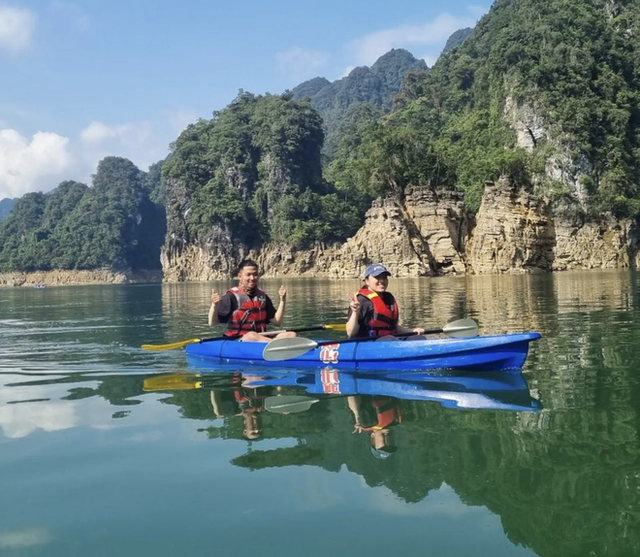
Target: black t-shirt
{"points": [[229, 303], [365, 312]]}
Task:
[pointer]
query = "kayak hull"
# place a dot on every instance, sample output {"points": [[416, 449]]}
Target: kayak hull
{"points": [[481, 353]]}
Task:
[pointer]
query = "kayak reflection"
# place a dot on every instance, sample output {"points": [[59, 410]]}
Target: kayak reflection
{"points": [[375, 403], [504, 390]]}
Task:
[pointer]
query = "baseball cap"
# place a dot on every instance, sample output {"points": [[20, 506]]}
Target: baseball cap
{"points": [[384, 452], [375, 270]]}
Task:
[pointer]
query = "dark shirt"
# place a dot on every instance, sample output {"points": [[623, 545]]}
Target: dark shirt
{"points": [[229, 303], [365, 312]]}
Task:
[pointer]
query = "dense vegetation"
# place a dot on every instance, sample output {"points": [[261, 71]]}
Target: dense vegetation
{"points": [[113, 224], [574, 65], [377, 85], [254, 171]]}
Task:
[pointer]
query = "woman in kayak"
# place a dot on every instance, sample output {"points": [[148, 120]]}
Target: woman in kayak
{"points": [[246, 309], [373, 311]]}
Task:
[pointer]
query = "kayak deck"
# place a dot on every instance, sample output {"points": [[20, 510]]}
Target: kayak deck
{"points": [[491, 352]]}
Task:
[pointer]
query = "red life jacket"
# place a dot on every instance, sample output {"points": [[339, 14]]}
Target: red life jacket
{"points": [[387, 411], [385, 319], [251, 314], [248, 402]]}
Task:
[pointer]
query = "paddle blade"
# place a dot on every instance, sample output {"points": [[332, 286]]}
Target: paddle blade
{"points": [[170, 346], [337, 327], [461, 328], [288, 404], [287, 348], [173, 382]]}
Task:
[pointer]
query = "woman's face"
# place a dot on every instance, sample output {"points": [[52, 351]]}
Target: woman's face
{"points": [[377, 284]]}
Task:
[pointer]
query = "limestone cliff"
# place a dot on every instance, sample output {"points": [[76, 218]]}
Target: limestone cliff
{"points": [[513, 233], [422, 235], [517, 232], [605, 244], [429, 234], [68, 278]]}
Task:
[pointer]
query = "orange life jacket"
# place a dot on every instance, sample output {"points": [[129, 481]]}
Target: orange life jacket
{"points": [[387, 411], [251, 314], [385, 319]]}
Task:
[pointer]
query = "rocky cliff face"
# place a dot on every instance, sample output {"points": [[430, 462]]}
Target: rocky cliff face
{"points": [[68, 278], [606, 244], [513, 234], [429, 234], [517, 232], [182, 261]]}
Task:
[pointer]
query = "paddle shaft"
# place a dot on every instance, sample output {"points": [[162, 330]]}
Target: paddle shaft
{"points": [[272, 333], [365, 339], [287, 348], [183, 343]]}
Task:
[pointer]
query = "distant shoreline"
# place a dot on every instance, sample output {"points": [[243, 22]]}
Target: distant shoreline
{"points": [[36, 279]]}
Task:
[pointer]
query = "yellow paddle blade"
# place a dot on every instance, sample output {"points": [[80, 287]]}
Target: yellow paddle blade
{"points": [[173, 382], [171, 346], [337, 327]]}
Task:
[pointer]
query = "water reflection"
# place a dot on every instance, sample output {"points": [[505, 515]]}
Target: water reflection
{"points": [[375, 402], [550, 457]]}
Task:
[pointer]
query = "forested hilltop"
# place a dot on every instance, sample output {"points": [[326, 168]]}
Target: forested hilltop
{"points": [[113, 224], [252, 175], [545, 91], [377, 85]]}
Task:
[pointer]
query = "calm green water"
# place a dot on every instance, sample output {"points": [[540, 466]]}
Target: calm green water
{"points": [[104, 450]]}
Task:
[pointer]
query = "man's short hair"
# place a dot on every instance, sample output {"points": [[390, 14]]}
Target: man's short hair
{"points": [[247, 263]]}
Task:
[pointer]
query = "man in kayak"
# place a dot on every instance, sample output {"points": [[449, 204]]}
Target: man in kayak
{"points": [[246, 309], [373, 311]]}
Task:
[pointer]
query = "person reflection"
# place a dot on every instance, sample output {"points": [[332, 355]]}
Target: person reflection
{"points": [[387, 416], [248, 403]]}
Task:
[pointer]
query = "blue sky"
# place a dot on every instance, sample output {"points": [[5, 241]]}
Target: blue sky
{"points": [[83, 80]]}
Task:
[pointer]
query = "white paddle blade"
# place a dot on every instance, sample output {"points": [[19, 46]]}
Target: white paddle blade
{"points": [[289, 404], [287, 348], [461, 328]]}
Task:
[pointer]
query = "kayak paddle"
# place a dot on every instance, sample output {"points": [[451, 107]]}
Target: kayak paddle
{"points": [[172, 382], [288, 404], [287, 348], [182, 343]]}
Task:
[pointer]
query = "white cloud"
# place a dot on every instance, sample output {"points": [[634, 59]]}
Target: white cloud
{"points": [[369, 48], [28, 537], [22, 414], [42, 162], [26, 165], [16, 28], [133, 140], [298, 61], [130, 134]]}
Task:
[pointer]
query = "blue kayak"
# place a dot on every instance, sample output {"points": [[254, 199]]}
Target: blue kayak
{"points": [[482, 353]]}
